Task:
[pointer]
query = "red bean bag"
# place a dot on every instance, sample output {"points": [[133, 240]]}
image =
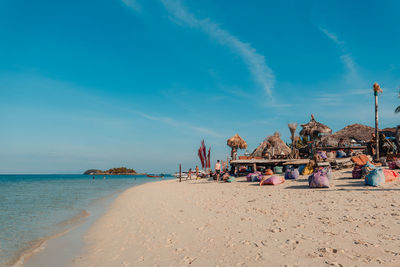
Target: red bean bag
{"points": [[390, 175]]}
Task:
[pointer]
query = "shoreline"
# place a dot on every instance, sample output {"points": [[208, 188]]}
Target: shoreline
{"points": [[38, 246], [72, 237], [200, 222]]}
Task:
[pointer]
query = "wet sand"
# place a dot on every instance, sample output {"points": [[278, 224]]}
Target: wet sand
{"points": [[204, 223]]}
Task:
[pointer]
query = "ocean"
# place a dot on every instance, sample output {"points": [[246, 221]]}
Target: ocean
{"points": [[36, 207]]}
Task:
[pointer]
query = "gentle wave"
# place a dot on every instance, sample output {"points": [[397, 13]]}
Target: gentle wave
{"points": [[36, 208]]}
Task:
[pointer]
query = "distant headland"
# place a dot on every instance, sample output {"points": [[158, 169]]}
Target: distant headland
{"points": [[113, 171]]}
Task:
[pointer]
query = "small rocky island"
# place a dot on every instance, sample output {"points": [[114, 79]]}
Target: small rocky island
{"points": [[113, 171]]}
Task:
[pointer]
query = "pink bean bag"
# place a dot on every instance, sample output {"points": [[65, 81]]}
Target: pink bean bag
{"points": [[273, 180]]}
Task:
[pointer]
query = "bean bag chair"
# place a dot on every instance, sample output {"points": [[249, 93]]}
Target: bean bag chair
{"points": [[366, 169], [268, 172], [360, 160], [322, 154], [375, 177], [273, 180], [392, 165], [286, 168], [328, 172], [318, 179], [331, 154], [397, 162], [340, 154], [254, 178], [357, 172], [249, 177], [301, 168], [292, 174], [278, 169], [308, 170], [230, 179], [390, 175]]}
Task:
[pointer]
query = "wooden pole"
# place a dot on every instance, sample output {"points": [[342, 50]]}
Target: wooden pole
{"points": [[180, 172], [376, 125]]}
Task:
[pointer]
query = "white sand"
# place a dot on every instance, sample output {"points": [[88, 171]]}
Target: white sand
{"points": [[205, 223]]}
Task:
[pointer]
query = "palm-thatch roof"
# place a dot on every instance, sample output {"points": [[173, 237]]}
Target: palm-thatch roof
{"points": [[313, 128], [377, 88], [236, 142], [357, 132], [272, 146], [389, 132]]}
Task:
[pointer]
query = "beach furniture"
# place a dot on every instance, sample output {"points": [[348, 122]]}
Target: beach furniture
{"points": [[278, 169], [318, 179], [292, 173], [273, 180], [375, 177], [390, 175], [268, 172]]}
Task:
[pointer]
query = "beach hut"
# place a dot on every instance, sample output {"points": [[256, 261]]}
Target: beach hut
{"points": [[272, 147], [357, 132], [236, 142], [314, 128]]}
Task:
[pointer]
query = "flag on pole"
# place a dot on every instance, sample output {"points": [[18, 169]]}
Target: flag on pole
{"points": [[203, 147], [209, 158], [200, 154]]}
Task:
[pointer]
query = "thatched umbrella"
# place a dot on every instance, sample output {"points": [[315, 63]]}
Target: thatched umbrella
{"points": [[236, 142], [313, 128]]}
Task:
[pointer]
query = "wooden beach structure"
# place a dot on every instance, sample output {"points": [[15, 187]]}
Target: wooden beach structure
{"points": [[266, 163], [316, 140]]}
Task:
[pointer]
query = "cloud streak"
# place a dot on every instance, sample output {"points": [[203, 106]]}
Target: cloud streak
{"points": [[177, 124], [255, 62], [346, 57], [133, 4]]}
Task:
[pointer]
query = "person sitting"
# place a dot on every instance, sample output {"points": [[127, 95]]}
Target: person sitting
{"points": [[225, 176], [341, 143]]}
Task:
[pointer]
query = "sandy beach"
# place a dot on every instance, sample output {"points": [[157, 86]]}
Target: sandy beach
{"points": [[204, 223]]}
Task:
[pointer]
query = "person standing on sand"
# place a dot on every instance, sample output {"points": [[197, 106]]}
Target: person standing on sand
{"points": [[217, 169], [197, 172], [190, 173]]}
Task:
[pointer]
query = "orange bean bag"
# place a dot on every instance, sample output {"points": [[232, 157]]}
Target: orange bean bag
{"points": [[268, 172], [360, 160]]}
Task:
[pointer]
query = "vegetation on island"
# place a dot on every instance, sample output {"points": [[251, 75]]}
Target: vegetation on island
{"points": [[112, 171]]}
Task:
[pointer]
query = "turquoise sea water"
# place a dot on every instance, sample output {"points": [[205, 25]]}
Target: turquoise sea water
{"points": [[33, 207]]}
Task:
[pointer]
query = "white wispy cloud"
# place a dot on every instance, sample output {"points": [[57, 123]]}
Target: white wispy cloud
{"points": [[333, 37], [133, 4], [255, 62], [345, 57], [46, 85], [177, 123]]}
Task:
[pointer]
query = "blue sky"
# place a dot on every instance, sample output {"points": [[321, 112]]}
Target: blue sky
{"points": [[100, 84]]}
